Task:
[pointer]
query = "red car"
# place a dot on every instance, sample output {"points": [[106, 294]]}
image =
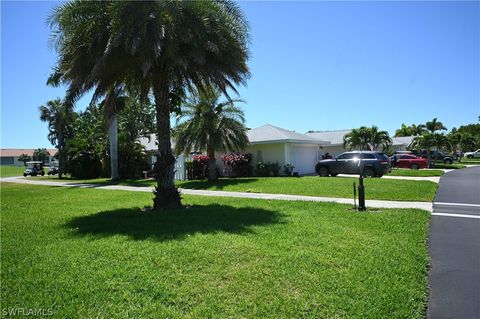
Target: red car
{"points": [[410, 161]]}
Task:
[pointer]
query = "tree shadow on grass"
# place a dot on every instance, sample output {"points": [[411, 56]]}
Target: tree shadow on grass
{"points": [[174, 224], [216, 185]]}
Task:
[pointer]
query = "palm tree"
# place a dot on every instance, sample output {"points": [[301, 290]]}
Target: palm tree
{"points": [[403, 131], [24, 158], [206, 123], [363, 136], [41, 154], [425, 141], [60, 119], [114, 101], [435, 125], [417, 129], [156, 46]]}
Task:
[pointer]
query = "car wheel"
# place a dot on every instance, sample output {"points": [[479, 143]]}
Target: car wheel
{"points": [[323, 171], [379, 175], [368, 172], [33, 174], [334, 174], [24, 175], [43, 173], [414, 166], [447, 161]]}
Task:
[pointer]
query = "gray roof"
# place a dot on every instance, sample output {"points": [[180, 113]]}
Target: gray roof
{"points": [[403, 140], [336, 137], [269, 134], [333, 137]]}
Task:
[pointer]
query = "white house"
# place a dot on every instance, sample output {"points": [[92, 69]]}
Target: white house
{"points": [[272, 144], [9, 156]]}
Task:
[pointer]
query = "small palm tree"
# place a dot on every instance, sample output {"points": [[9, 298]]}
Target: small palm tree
{"points": [[425, 141], [24, 158], [205, 123], [435, 125], [417, 129], [363, 136], [403, 131]]}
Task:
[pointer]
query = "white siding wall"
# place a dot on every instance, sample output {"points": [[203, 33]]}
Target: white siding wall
{"points": [[267, 153]]}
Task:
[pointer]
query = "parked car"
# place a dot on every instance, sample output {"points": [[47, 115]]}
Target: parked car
{"points": [[439, 156], [475, 154], [410, 161], [34, 168], [372, 164]]}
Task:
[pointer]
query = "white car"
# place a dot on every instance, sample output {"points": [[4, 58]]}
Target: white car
{"points": [[472, 154]]}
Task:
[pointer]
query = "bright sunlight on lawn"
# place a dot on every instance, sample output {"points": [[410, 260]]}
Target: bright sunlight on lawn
{"points": [[376, 188], [8, 171], [94, 253]]}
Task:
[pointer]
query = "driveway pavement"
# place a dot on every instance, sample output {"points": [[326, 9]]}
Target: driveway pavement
{"points": [[369, 203], [454, 246]]}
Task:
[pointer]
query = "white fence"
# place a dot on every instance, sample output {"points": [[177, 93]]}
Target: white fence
{"points": [[179, 168]]}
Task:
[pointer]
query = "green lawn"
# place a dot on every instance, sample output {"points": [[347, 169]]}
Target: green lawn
{"points": [[470, 160], [415, 173], [94, 253], [449, 166], [8, 171], [339, 187], [375, 188]]}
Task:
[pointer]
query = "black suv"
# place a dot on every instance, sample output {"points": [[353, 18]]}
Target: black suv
{"points": [[372, 164], [439, 156]]}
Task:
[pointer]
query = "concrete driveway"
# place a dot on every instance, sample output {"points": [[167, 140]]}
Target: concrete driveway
{"points": [[454, 247]]}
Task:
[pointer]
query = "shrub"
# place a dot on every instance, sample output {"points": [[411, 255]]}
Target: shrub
{"points": [[275, 169], [198, 168], [131, 160], [263, 169], [288, 169], [85, 165], [238, 164]]}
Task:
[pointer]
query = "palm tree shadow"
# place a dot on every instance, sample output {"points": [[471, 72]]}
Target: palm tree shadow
{"points": [[172, 225], [218, 184]]}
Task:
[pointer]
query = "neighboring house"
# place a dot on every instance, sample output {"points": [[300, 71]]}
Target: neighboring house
{"points": [[9, 156], [335, 141], [272, 144]]}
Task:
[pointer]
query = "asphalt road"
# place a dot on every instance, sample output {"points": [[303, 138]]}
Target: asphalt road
{"points": [[454, 247]]}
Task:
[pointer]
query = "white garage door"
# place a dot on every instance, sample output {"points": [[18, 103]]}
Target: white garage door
{"points": [[304, 158]]}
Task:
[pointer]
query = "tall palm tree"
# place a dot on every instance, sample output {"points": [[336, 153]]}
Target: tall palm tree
{"points": [[363, 136], [60, 119], [156, 46], [114, 101], [435, 125], [210, 124]]}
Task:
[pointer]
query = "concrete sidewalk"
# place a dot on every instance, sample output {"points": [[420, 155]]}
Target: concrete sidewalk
{"points": [[369, 203]]}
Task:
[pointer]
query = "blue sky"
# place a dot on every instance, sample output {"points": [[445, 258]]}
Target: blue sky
{"points": [[315, 66]]}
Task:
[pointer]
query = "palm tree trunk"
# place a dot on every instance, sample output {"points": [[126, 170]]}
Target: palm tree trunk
{"points": [[212, 169], [113, 139], [166, 195], [60, 155]]}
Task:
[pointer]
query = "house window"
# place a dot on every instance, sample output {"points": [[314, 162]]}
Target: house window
{"points": [[7, 160]]}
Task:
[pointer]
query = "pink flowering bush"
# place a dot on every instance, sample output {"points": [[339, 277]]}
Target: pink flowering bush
{"points": [[198, 167], [238, 164]]}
